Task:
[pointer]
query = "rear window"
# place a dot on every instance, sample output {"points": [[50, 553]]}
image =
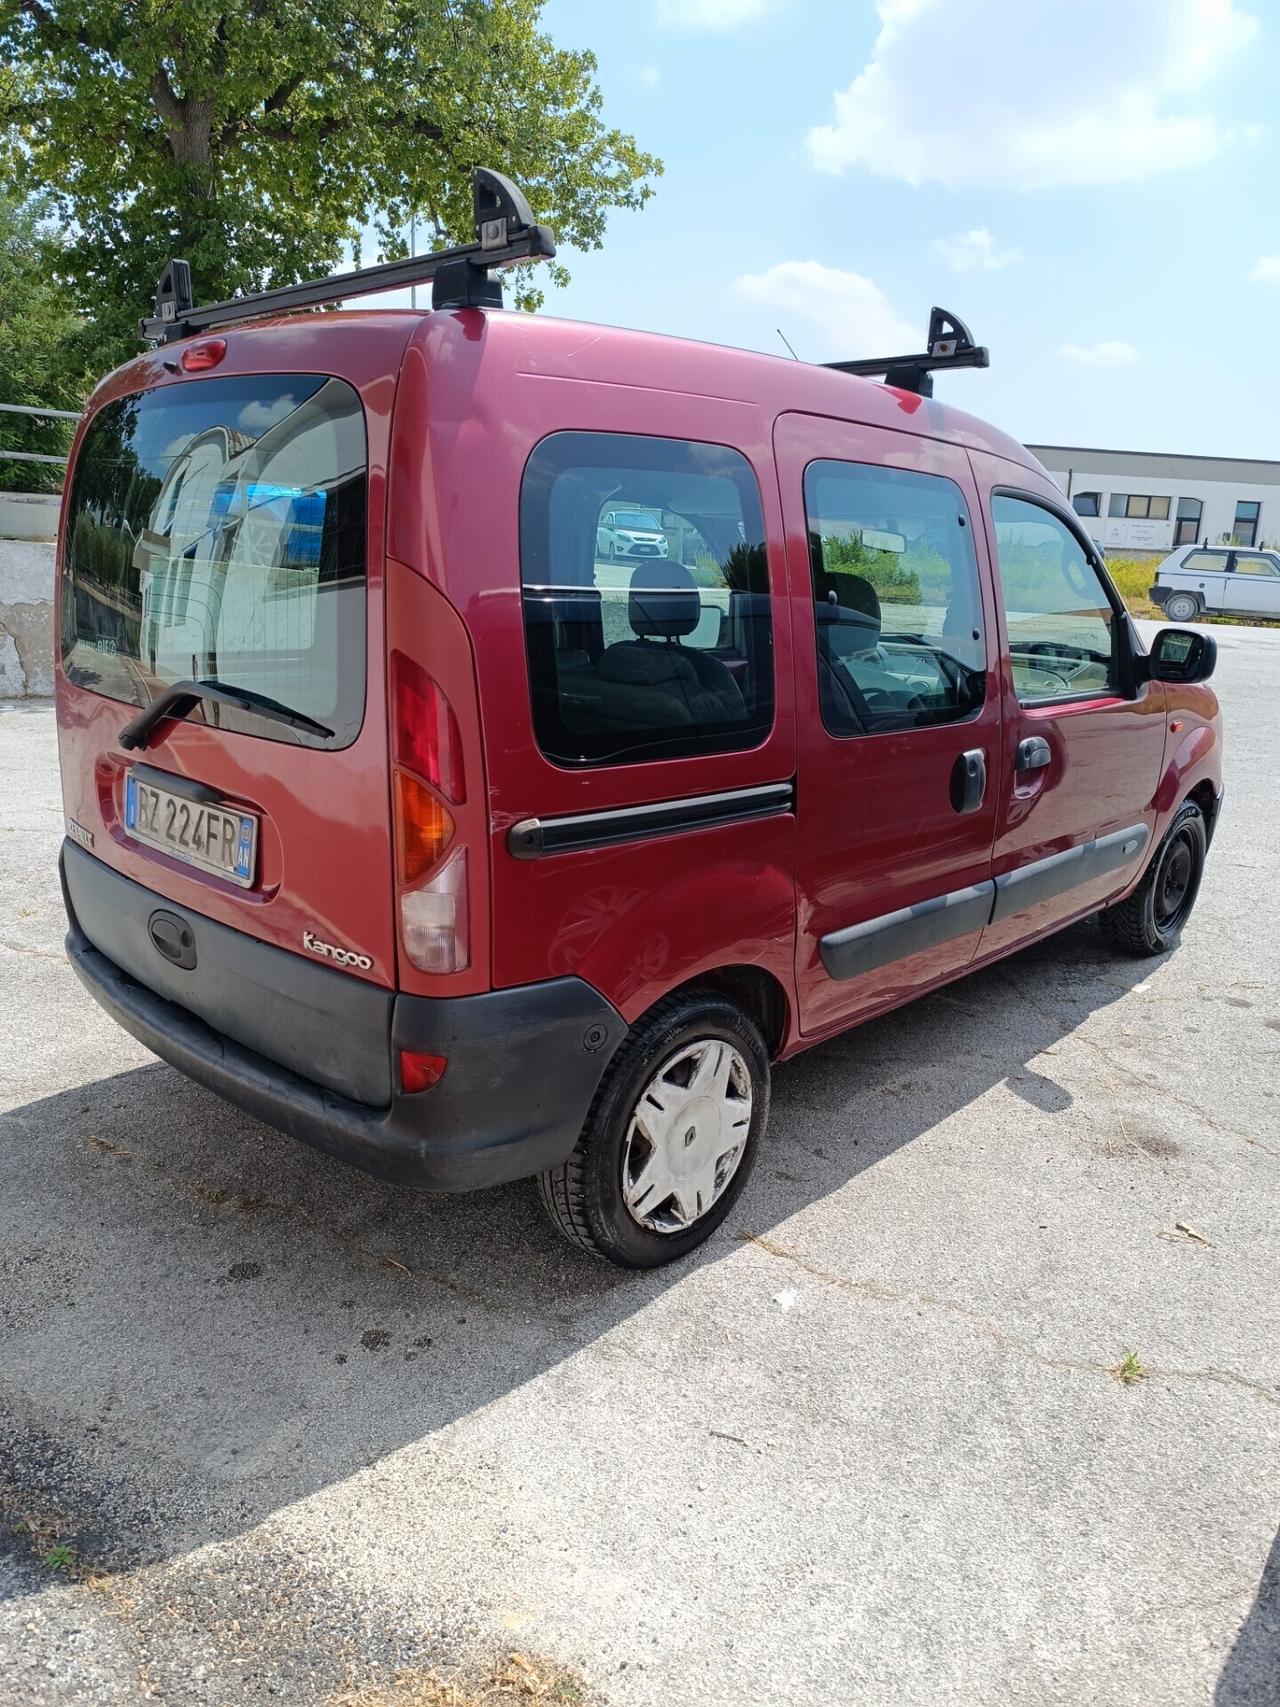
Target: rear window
{"points": [[646, 599], [216, 533]]}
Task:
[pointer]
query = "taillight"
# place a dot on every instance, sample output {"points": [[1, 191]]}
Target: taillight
{"points": [[424, 827], [196, 358], [434, 922], [434, 903], [426, 731]]}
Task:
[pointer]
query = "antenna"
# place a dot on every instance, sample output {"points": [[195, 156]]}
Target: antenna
{"points": [[950, 344], [506, 234], [787, 342]]}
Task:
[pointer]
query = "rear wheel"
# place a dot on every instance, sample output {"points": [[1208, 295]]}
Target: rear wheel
{"points": [[670, 1138], [1151, 919], [1182, 607]]}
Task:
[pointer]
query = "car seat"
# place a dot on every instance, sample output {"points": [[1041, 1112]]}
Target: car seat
{"points": [[653, 681], [857, 691]]}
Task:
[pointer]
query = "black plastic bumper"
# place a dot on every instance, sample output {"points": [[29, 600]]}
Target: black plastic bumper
{"points": [[524, 1064]]}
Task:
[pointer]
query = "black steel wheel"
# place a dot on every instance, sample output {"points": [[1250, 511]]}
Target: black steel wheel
{"points": [[1151, 919]]}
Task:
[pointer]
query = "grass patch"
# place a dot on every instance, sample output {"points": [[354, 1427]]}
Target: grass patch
{"points": [[515, 1678], [1129, 1370]]}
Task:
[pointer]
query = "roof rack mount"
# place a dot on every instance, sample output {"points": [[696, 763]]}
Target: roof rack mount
{"points": [[506, 233], [950, 345]]}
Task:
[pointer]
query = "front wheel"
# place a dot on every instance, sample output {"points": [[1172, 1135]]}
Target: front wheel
{"points": [[1151, 919], [670, 1138], [1182, 607]]}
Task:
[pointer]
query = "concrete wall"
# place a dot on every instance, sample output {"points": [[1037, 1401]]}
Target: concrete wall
{"points": [[27, 529]]}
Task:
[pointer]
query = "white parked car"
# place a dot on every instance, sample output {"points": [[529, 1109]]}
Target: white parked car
{"points": [[630, 533], [1236, 580]]}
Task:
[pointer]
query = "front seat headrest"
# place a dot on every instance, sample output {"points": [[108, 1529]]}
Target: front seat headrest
{"points": [[853, 612], [664, 601]]}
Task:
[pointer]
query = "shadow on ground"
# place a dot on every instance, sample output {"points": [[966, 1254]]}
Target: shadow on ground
{"points": [[1251, 1676], [202, 1321]]}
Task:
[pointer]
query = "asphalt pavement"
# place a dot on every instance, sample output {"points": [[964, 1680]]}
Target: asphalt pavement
{"points": [[271, 1431]]}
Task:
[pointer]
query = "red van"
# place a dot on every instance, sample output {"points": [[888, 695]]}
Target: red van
{"points": [[426, 827]]}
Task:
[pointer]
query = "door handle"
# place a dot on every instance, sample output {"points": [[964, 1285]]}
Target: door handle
{"points": [[1033, 754], [969, 780]]}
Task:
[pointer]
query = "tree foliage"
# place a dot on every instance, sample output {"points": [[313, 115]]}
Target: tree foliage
{"points": [[257, 138], [46, 353]]}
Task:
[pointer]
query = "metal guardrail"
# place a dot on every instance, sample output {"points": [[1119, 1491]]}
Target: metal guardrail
{"points": [[41, 414]]}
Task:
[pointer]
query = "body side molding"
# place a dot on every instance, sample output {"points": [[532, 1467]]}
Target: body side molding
{"points": [[876, 942], [531, 838]]}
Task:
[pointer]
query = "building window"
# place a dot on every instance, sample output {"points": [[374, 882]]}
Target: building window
{"points": [[1086, 503], [1187, 531], [1137, 507], [1245, 531]]}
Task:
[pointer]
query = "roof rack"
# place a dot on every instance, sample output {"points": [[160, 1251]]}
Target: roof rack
{"points": [[950, 345], [506, 233]]}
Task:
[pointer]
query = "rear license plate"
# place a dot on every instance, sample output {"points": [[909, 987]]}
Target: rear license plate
{"points": [[212, 838]]}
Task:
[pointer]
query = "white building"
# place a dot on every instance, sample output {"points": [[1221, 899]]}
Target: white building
{"points": [[1141, 501]]}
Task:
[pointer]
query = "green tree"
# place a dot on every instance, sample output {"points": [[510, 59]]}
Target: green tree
{"points": [[46, 349], [257, 138]]}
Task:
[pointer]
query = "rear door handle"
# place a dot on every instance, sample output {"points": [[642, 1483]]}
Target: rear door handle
{"points": [[1033, 754], [969, 780]]}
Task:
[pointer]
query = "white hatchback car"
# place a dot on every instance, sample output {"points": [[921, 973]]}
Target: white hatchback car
{"points": [[1227, 578]]}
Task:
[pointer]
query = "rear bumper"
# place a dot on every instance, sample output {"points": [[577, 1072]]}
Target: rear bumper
{"points": [[524, 1065], [1158, 594]]}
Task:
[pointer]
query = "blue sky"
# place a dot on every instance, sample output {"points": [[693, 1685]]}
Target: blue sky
{"points": [[1089, 183]]}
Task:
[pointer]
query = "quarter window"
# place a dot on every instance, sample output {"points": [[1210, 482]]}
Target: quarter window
{"points": [[896, 600], [646, 599], [1061, 622]]}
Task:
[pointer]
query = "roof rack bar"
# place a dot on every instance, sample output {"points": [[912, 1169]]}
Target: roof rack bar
{"points": [[506, 233], [950, 344]]}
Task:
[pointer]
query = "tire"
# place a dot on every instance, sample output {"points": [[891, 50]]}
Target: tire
{"points": [[1151, 919], [621, 1144], [1182, 607]]}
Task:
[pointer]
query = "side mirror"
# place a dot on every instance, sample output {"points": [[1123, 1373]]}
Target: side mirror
{"points": [[1182, 655]]}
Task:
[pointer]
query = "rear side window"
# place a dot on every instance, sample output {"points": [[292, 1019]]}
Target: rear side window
{"points": [[646, 599], [216, 533], [896, 599]]}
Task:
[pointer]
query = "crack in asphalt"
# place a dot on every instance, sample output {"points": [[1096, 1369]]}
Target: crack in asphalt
{"points": [[1006, 1342]]}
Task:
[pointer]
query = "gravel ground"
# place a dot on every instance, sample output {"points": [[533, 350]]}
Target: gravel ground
{"points": [[297, 1430]]}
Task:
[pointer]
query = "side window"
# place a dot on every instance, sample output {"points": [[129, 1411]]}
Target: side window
{"points": [[1208, 562], [1246, 565], [896, 599], [1061, 622], [646, 599]]}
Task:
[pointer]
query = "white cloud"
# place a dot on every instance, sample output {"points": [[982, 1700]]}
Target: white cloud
{"points": [[851, 315], [648, 75], [974, 251], [1266, 270], [711, 14], [1112, 352], [999, 92]]}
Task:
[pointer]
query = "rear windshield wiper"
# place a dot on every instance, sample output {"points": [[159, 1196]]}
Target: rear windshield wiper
{"points": [[181, 699]]}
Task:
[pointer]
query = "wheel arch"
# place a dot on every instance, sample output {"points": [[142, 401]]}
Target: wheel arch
{"points": [[760, 994]]}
